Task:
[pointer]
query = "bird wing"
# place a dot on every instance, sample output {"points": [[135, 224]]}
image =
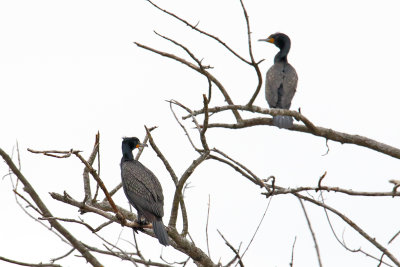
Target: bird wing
{"points": [[281, 83], [273, 82], [289, 86], [142, 187]]}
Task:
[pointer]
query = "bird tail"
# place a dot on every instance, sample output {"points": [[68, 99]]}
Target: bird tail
{"points": [[160, 232], [283, 121]]}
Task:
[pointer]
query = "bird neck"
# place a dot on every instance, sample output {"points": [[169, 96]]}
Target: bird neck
{"points": [[282, 54], [126, 153]]}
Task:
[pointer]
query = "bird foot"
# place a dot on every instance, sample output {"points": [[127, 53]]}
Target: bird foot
{"points": [[141, 222]]}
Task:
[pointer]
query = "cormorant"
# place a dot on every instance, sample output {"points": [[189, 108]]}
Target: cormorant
{"points": [[143, 189], [281, 80]]}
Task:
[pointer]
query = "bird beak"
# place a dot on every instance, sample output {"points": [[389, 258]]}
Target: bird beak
{"points": [[269, 40], [141, 145]]}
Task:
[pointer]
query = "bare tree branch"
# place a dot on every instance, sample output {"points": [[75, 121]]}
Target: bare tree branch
{"points": [[342, 243], [43, 208], [29, 264], [199, 62], [312, 233], [232, 248], [253, 63], [179, 187], [330, 134], [92, 157], [198, 69], [208, 217], [258, 227], [354, 226], [162, 157], [294, 243], [194, 27], [281, 190]]}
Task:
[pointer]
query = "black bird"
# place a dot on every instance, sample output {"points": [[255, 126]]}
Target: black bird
{"points": [[281, 80], [143, 189]]}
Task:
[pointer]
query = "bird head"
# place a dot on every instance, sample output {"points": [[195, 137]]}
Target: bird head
{"points": [[279, 39], [132, 142]]}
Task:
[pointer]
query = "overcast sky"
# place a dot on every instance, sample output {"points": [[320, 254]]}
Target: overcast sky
{"points": [[71, 68]]}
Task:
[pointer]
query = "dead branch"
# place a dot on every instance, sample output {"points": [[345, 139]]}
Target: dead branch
{"points": [[162, 157], [100, 209], [199, 62], [320, 180], [258, 227], [29, 264], [45, 211], [183, 127], [342, 243], [253, 63], [232, 248], [179, 187], [294, 243], [208, 217], [198, 69], [92, 157], [281, 190], [189, 248], [396, 185], [354, 226], [194, 27], [63, 256], [312, 232], [326, 133], [205, 125]]}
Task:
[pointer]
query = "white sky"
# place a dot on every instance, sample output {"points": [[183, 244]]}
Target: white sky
{"points": [[70, 68]]}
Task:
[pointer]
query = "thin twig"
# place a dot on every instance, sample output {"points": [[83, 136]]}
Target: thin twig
{"points": [[92, 157], [94, 174], [182, 126], [29, 264], [254, 177], [312, 233], [53, 153], [240, 262], [180, 185], [320, 181], [99, 209], [344, 245], [280, 190], [294, 243], [62, 256], [69, 220], [258, 227], [205, 125], [253, 63], [201, 71], [199, 62], [354, 226], [45, 211], [162, 157], [394, 237], [208, 216], [194, 27]]}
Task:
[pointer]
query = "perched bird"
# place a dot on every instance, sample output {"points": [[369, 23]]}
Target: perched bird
{"points": [[143, 189], [281, 80]]}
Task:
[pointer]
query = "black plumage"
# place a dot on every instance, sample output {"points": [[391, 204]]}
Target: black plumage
{"points": [[281, 80], [143, 189]]}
